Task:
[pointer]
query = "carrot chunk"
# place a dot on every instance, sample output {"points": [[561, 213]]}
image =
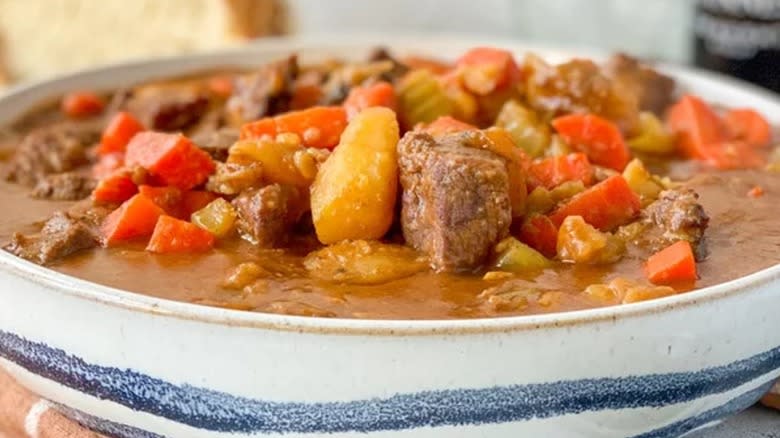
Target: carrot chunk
{"points": [[120, 129], [606, 205], [756, 192], [378, 94], [171, 158], [597, 137], [748, 125], [486, 69], [107, 164], [541, 234], [172, 235], [116, 188], [735, 154], [136, 217], [554, 171], [696, 126], [674, 263], [305, 96], [82, 104], [318, 127], [447, 125]]}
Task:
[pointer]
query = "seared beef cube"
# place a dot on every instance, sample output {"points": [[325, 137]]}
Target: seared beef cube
{"points": [[266, 92], [266, 216], [655, 90], [52, 149], [69, 186], [234, 178], [677, 215], [169, 108], [455, 203], [61, 236], [216, 142]]}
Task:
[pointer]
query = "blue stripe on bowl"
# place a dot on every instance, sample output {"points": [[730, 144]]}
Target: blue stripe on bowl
{"points": [[730, 408], [218, 411]]}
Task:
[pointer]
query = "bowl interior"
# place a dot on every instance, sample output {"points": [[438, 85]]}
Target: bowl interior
{"points": [[24, 98]]}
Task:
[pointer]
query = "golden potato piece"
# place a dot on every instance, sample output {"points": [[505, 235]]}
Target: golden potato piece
{"points": [[353, 196]]}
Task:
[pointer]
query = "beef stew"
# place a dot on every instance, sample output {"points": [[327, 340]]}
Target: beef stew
{"points": [[397, 188]]}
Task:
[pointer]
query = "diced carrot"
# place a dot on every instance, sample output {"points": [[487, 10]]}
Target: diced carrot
{"points": [[116, 188], [305, 96], [756, 192], [82, 104], [554, 171], [732, 155], [597, 137], [490, 69], [748, 125], [107, 164], [136, 217], [168, 198], [377, 94], [319, 127], [696, 126], [606, 205], [120, 129], [195, 200], [675, 263], [540, 233], [172, 235], [435, 66], [170, 158], [220, 85], [446, 125]]}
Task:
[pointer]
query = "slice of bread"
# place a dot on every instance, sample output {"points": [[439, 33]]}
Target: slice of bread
{"points": [[43, 38]]}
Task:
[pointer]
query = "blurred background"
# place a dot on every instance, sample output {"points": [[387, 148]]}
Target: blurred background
{"points": [[40, 38]]}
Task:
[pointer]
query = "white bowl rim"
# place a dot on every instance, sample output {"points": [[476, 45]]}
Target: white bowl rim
{"points": [[48, 278]]}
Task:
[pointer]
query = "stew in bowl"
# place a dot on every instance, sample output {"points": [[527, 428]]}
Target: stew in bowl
{"points": [[397, 188]]}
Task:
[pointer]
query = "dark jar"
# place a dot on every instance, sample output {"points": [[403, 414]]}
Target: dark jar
{"points": [[740, 38]]}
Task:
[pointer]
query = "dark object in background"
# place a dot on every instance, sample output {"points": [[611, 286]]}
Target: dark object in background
{"points": [[740, 38]]}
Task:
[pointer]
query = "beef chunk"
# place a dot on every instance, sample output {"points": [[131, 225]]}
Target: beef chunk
{"points": [[169, 107], [266, 216], [62, 235], [266, 92], [580, 86], [68, 186], [455, 203], [51, 149], [234, 178], [216, 142], [677, 215], [655, 90]]}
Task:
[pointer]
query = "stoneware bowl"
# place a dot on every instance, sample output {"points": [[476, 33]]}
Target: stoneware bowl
{"points": [[134, 366]]}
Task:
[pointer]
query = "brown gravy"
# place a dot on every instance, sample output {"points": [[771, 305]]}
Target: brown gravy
{"points": [[743, 237]]}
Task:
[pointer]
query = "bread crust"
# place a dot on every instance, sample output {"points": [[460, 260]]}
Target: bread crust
{"points": [[254, 18]]}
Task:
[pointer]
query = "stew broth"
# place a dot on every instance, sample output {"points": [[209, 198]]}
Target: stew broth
{"points": [[743, 237]]}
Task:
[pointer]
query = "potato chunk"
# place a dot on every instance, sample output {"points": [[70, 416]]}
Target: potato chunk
{"points": [[353, 196], [364, 262], [580, 242]]}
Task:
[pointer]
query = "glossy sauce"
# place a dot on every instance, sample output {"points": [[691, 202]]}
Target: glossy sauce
{"points": [[743, 237]]}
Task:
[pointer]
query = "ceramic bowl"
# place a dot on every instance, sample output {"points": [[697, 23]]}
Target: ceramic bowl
{"points": [[133, 366]]}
